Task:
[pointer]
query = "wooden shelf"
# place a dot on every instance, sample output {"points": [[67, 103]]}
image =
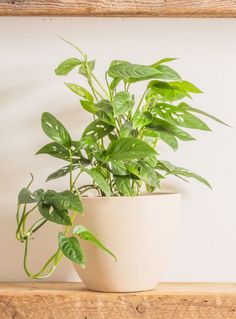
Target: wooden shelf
{"points": [[73, 301], [144, 8]]}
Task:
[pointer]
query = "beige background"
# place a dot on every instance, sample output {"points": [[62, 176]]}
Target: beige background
{"points": [[29, 51]]}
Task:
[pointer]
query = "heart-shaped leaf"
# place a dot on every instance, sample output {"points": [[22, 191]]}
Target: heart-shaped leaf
{"points": [[54, 215], [71, 248], [26, 197], [63, 201], [85, 234]]}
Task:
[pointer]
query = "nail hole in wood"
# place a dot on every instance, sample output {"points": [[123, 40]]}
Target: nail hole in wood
{"points": [[140, 308]]}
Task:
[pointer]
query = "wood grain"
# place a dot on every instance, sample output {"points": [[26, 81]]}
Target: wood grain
{"points": [[72, 301], [145, 8]]}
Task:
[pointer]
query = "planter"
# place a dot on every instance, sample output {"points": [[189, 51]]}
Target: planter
{"points": [[139, 230]]}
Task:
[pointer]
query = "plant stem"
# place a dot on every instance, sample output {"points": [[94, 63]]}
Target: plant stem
{"points": [[37, 225], [99, 84], [74, 46], [71, 176], [155, 142], [18, 214], [38, 275], [31, 181], [140, 102], [108, 86], [75, 180]]}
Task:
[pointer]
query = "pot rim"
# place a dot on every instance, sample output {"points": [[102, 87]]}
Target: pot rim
{"points": [[144, 195]]}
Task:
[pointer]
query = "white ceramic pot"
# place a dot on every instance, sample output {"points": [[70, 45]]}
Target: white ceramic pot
{"points": [[139, 230]]}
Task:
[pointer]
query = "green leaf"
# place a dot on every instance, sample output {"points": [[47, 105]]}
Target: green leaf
{"points": [[126, 129], [116, 62], [61, 172], [180, 116], [114, 83], [66, 66], [54, 215], [166, 137], [154, 65], [151, 160], [128, 149], [187, 86], [56, 150], [99, 180], [79, 90], [175, 170], [87, 68], [126, 70], [104, 112], [167, 73], [59, 151], [169, 139], [145, 172], [70, 247], [160, 125], [118, 168], [88, 106], [113, 137], [26, 197], [136, 72], [55, 130], [85, 234], [63, 201], [184, 172], [98, 129], [140, 119], [86, 142], [38, 194], [123, 185], [185, 106], [167, 91], [164, 72], [122, 103]]}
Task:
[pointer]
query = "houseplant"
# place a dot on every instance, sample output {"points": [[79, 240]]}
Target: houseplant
{"points": [[118, 150]]}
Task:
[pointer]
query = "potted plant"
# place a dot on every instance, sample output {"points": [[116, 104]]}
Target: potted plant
{"points": [[119, 151]]}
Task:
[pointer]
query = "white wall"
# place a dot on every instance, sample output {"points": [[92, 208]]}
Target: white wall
{"points": [[29, 51]]}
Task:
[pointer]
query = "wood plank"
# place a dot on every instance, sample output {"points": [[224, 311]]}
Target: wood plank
{"points": [[73, 301], [145, 8]]}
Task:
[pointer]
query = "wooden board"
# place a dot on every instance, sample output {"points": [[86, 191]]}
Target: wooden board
{"points": [[73, 301], [151, 8]]}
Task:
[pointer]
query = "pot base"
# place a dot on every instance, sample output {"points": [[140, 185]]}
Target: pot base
{"points": [[129, 290]]}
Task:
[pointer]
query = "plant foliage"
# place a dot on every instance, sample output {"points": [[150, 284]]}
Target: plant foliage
{"points": [[118, 149]]}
